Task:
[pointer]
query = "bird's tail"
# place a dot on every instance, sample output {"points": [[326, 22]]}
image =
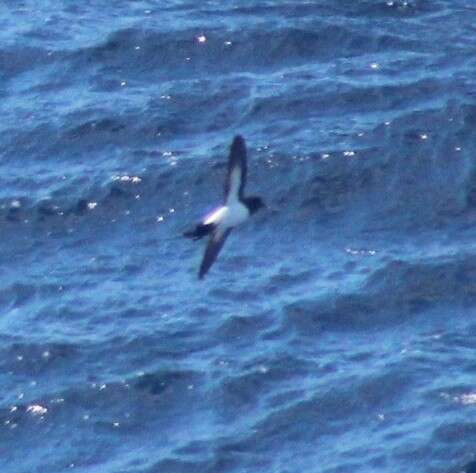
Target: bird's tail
{"points": [[199, 231]]}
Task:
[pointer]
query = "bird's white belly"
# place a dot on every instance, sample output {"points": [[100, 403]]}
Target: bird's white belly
{"points": [[237, 213], [228, 216]]}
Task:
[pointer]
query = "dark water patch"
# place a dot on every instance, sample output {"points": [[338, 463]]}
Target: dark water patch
{"points": [[250, 389], [18, 60], [109, 400], [470, 467], [102, 126], [308, 101], [180, 466], [427, 282], [112, 198], [17, 295], [245, 295], [390, 295], [166, 383], [243, 329], [453, 432], [166, 345], [304, 421]]}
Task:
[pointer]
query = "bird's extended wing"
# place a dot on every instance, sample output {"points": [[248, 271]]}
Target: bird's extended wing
{"points": [[214, 246], [236, 176]]}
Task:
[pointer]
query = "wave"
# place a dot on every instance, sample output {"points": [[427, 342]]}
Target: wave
{"points": [[388, 296]]}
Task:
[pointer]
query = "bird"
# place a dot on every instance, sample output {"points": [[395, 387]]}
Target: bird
{"points": [[235, 210]]}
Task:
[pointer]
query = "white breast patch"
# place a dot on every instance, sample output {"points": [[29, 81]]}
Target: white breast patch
{"points": [[228, 216]]}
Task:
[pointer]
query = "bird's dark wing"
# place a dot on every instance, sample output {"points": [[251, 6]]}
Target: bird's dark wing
{"points": [[213, 248], [236, 176]]}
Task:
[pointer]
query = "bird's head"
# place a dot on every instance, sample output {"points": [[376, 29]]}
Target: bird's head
{"points": [[254, 204]]}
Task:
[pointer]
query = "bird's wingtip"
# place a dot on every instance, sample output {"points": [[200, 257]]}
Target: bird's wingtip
{"points": [[238, 146], [238, 142]]}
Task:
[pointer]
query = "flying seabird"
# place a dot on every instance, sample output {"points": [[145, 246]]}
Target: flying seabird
{"points": [[235, 210]]}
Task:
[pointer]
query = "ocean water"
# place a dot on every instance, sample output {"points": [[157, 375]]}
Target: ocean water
{"points": [[335, 333]]}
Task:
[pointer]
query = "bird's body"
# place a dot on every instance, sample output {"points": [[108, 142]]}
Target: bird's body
{"points": [[228, 216], [235, 210]]}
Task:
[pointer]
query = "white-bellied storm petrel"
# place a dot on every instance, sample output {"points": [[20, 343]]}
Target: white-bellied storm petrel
{"points": [[235, 210]]}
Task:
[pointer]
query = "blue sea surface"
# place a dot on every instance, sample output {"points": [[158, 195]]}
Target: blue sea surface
{"points": [[336, 332]]}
